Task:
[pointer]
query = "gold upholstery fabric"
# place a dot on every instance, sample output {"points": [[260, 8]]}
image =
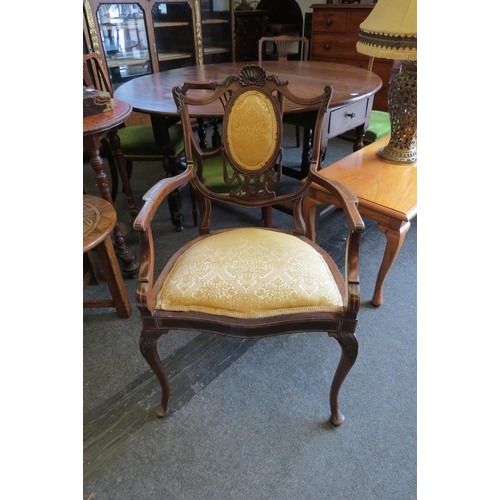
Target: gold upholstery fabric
{"points": [[250, 273], [252, 130]]}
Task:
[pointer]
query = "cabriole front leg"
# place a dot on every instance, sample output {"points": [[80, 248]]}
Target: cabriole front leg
{"points": [[349, 344], [148, 346]]}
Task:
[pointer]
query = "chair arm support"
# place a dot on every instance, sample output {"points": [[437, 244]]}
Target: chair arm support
{"points": [[142, 224], [348, 201], [155, 196]]}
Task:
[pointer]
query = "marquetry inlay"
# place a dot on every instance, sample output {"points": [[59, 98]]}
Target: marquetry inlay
{"points": [[99, 219]]}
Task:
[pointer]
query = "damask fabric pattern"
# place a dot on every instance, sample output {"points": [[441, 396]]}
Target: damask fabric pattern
{"points": [[250, 273], [252, 130]]}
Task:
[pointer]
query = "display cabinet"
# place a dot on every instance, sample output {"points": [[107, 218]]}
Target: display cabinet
{"points": [[217, 29], [141, 37]]}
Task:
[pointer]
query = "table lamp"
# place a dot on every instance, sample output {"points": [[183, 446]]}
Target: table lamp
{"points": [[390, 32]]}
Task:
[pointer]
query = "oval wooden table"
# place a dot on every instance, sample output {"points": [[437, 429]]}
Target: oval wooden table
{"points": [[94, 128], [350, 107]]}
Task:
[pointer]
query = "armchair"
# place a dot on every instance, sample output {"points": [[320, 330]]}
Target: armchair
{"points": [[249, 281]]}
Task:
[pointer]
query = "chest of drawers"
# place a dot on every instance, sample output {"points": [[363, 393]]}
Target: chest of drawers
{"points": [[334, 35]]}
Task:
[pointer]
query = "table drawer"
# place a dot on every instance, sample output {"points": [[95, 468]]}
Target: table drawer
{"points": [[346, 118]]}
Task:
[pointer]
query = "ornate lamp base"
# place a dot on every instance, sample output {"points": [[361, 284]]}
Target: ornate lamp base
{"points": [[402, 147]]}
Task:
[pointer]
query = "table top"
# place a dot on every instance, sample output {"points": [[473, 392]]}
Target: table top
{"points": [[107, 120], [386, 188], [152, 94]]}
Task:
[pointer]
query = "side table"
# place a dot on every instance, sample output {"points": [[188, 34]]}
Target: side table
{"points": [[387, 194], [94, 128]]}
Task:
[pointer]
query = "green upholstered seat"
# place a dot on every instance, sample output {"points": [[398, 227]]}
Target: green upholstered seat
{"points": [[139, 141], [380, 126]]}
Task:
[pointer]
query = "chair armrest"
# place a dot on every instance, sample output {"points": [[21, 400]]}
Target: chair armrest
{"points": [[155, 196], [348, 200], [349, 203], [142, 224]]}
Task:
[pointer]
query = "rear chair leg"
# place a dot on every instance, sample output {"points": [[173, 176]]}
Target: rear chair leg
{"points": [[147, 344], [349, 344]]}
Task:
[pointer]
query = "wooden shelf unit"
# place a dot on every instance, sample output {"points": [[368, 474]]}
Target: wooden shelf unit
{"points": [[158, 36]]}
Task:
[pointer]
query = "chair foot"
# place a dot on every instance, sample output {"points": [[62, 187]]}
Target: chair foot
{"points": [[161, 411], [337, 419]]}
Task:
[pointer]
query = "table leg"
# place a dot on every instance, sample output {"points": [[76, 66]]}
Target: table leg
{"points": [[160, 129], [114, 139], [395, 233], [360, 133], [92, 144]]}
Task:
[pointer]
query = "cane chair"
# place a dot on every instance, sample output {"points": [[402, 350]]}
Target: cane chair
{"points": [[137, 142], [249, 281], [283, 43]]}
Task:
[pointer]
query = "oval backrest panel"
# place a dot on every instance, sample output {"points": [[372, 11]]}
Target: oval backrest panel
{"points": [[252, 139]]}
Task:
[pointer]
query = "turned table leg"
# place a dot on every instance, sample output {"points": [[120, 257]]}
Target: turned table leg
{"points": [[114, 139], [160, 126], [395, 232], [92, 143]]}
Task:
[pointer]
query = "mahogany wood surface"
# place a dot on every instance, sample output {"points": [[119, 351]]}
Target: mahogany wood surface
{"points": [[94, 128], [387, 193], [152, 94]]}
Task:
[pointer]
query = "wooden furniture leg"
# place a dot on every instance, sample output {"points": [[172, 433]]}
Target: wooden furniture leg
{"points": [[113, 276], [160, 126], [99, 219], [114, 139], [395, 232], [92, 144]]}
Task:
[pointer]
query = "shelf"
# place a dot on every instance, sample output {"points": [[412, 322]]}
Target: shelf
{"points": [[216, 50], [170, 24], [170, 56], [125, 61], [215, 21]]}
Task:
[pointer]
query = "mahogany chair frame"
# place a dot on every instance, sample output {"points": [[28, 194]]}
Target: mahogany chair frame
{"points": [[255, 190]]}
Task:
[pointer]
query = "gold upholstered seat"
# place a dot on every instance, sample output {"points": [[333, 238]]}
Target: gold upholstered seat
{"points": [[249, 281]]}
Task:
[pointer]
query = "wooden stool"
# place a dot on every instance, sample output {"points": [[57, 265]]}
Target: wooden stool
{"points": [[99, 220]]}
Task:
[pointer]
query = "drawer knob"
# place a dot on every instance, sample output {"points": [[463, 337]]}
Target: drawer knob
{"points": [[326, 46], [328, 22], [351, 115]]}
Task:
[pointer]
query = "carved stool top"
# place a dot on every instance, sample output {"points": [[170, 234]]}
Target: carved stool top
{"points": [[99, 219]]}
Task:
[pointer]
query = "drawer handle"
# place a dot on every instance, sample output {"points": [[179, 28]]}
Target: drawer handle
{"points": [[328, 22], [326, 46], [351, 115]]}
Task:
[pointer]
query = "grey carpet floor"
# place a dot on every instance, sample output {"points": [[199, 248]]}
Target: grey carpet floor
{"points": [[249, 419]]}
